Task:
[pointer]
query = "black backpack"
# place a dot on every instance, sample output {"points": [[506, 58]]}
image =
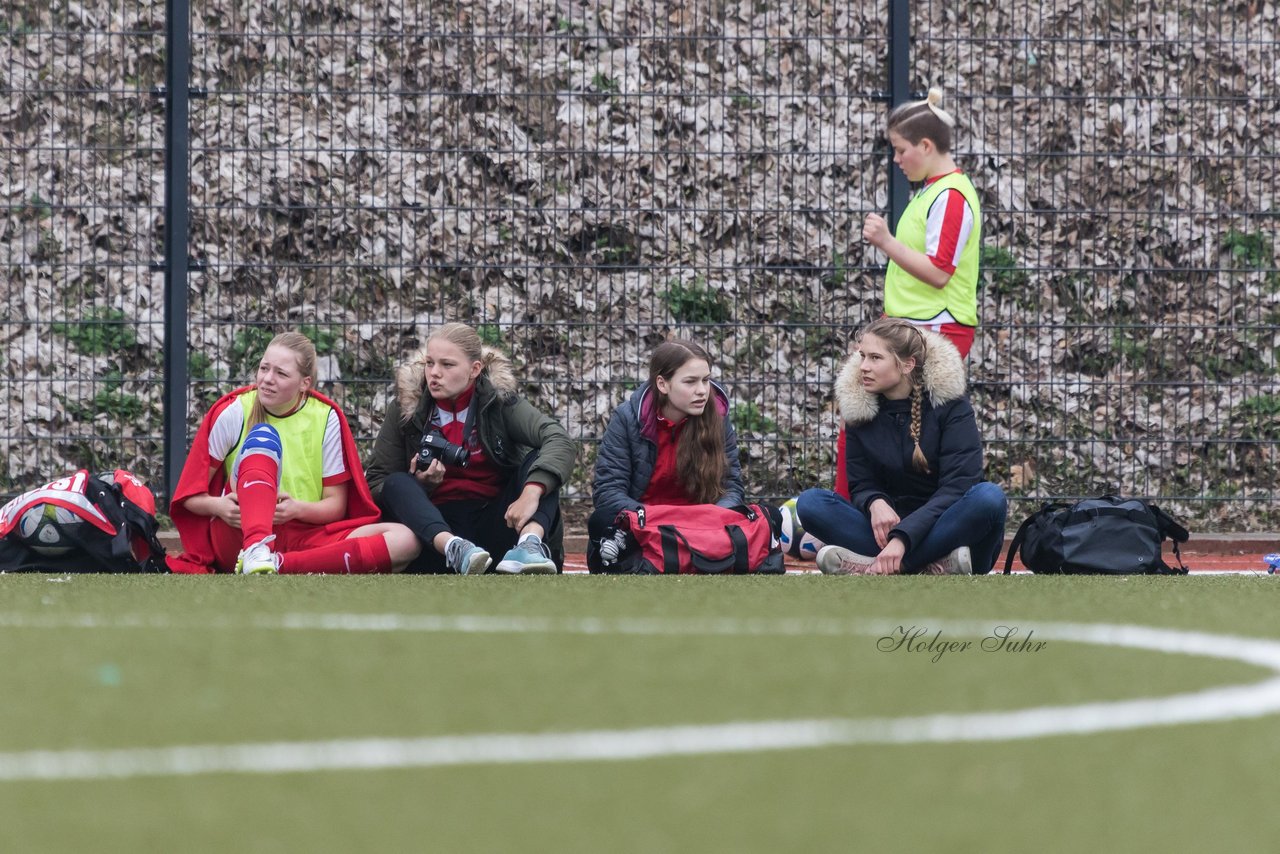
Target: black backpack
{"points": [[85, 506], [1103, 536]]}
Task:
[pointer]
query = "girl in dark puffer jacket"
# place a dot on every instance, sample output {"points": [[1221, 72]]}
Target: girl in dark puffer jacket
{"points": [[670, 443], [918, 499]]}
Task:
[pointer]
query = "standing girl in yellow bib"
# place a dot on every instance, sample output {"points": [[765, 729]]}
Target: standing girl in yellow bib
{"points": [[932, 280]]}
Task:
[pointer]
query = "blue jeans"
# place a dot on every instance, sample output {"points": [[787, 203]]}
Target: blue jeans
{"points": [[976, 521]]}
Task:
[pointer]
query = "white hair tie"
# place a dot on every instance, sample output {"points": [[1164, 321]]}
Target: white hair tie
{"points": [[934, 102]]}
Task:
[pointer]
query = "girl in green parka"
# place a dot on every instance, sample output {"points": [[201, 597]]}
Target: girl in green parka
{"points": [[470, 466]]}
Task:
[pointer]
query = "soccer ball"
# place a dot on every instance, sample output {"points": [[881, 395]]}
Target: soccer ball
{"points": [[795, 542], [43, 528]]}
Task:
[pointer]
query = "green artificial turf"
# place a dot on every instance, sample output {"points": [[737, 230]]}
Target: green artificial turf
{"points": [[192, 661]]}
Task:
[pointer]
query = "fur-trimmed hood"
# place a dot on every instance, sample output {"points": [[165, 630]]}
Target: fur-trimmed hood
{"points": [[411, 380], [944, 380]]}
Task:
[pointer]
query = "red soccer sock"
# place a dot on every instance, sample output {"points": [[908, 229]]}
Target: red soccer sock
{"points": [[257, 489], [358, 555]]}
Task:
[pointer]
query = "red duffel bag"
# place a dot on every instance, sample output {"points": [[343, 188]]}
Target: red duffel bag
{"points": [[702, 538]]}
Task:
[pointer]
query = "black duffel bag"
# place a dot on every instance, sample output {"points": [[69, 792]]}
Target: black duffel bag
{"points": [[1098, 536]]}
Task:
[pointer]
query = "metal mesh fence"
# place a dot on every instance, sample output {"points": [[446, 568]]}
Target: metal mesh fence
{"points": [[579, 182], [81, 164]]}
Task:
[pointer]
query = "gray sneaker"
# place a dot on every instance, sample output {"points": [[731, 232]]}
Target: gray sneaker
{"points": [[528, 557], [959, 562], [465, 557], [834, 560]]}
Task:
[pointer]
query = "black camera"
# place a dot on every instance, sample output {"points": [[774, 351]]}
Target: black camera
{"points": [[436, 447]]}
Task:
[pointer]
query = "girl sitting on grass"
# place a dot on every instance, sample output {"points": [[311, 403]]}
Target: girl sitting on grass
{"points": [[918, 501], [670, 443], [489, 483], [273, 482]]}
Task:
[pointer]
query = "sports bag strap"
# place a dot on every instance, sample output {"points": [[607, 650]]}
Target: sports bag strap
{"points": [[1017, 542], [1022, 532], [740, 549], [670, 549], [143, 523], [1162, 568], [107, 498], [699, 561], [1169, 526], [1133, 515]]}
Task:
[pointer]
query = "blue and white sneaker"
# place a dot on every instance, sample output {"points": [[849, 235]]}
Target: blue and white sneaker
{"points": [[529, 556], [465, 557], [1272, 561]]}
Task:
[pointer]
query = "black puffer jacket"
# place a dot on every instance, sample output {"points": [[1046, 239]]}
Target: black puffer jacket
{"points": [[880, 447]]}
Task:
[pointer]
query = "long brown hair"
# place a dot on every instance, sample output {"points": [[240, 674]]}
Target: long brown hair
{"points": [[700, 458], [906, 341], [305, 351]]}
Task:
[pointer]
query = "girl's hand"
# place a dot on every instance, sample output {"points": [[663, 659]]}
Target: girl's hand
{"points": [[883, 520], [430, 477], [523, 508], [228, 509], [876, 231], [287, 509], [889, 561]]}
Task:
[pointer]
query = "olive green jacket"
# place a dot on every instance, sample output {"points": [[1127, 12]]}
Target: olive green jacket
{"points": [[509, 427]]}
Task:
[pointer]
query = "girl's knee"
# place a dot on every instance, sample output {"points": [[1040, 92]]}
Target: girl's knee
{"points": [[399, 480], [402, 545], [812, 499], [990, 498]]}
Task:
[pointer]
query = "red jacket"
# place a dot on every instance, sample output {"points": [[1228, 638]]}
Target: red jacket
{"points": [[197, 554]]}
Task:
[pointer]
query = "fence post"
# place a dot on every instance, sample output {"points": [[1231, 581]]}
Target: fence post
{"points": [[176, 238], [899, 93]]}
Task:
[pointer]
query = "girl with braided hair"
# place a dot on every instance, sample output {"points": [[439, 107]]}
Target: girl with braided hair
{"points": [[918, 501]]}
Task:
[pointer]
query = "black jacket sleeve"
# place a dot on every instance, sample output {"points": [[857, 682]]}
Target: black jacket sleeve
{"points": [[734, 494], [612, 485]]}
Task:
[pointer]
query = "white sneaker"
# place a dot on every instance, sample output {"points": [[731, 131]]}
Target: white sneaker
{"points": [[835, 560], [258, 559], [959, 562]]}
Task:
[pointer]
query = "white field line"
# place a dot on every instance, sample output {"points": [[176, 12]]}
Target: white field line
{"points": [[1216, 704]]}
